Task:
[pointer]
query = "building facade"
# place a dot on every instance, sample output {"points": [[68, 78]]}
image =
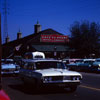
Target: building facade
{"points": [[49, 41]]}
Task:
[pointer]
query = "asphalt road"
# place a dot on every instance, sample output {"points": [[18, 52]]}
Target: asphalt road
{"points": [[88, 90]]}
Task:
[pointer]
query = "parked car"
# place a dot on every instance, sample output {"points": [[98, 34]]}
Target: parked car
{"points": [[17, 59], [34, 55], [75, 65], [49, 72], [87, 64], [96, 66], [69, 60], [9, 67]]}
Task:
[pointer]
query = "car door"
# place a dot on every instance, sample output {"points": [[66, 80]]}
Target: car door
{"points": [[29, 72]]}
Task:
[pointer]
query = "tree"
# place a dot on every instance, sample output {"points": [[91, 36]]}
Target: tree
{"points": [[85, 38]]}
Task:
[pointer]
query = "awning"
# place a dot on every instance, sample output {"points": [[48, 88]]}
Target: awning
{"points": [[51, 48]]}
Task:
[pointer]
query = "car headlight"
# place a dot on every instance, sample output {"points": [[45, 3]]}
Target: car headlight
{"points": [[99, 68], [47, 79], [99, 65], [76, 78]]}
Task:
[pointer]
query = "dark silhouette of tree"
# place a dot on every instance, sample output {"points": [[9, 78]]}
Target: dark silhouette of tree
{"points": [[85, 38]]}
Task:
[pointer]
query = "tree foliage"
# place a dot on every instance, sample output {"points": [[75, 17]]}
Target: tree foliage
{"points": [[85, 38]]}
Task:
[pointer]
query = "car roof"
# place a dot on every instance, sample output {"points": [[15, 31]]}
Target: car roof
{"points": [[88, 59], [97, 58], [6, 59], [40, 60]]}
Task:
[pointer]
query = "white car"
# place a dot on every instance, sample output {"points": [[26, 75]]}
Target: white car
{"points": [[9, 67], [47, 72]]}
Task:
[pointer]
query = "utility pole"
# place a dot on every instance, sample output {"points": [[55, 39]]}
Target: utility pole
{"points": [[5, 11], [3, 95]]}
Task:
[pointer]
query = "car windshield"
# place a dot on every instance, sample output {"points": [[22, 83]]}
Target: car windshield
{"points": [[78, 61], [49, 64], [97, 60], [90, 62], [9, 62]]}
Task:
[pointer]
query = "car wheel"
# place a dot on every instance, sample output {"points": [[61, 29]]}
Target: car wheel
{"points": [[73, 88]]}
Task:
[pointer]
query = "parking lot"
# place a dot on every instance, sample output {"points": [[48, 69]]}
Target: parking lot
{"points": [[88, 90]]}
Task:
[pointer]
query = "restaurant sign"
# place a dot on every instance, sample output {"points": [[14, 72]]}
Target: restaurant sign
{"points": [[54, 38]]}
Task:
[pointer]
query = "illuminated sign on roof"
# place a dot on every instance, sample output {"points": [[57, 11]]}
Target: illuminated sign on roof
{"points": [[54, 38]]}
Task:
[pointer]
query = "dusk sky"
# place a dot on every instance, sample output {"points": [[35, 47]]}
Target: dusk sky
{"points": [[55, 14]]}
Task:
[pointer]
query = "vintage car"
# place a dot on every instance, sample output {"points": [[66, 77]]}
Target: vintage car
{"points": [[17, 59], [87, 64], [75, 65], [9, 67], [96, 66], [49, 72], [34, 55]]}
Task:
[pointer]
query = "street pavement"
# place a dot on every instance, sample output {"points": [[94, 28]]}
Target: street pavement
{"points": [[88, 90]]}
